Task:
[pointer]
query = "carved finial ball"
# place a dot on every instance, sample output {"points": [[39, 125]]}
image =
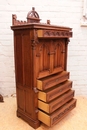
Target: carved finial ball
{"points": [[33, 8]]}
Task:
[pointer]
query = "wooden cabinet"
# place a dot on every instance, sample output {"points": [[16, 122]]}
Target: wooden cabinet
{"points": [[42, 82]]}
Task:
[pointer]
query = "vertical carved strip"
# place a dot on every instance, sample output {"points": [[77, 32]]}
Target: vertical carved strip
{"points": [[66, 50], [55, 59], [51, 63], [41, 58]]}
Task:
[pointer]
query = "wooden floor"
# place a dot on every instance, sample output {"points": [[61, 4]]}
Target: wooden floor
{"points": [[75, 120]]}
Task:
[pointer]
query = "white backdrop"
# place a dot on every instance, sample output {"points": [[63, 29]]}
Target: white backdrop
{"points": [[60, 12]]}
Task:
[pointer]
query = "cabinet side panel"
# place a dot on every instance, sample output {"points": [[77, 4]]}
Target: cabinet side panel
{"points": [[24, 72], [27, 64], [18, 59], [23, 57]]}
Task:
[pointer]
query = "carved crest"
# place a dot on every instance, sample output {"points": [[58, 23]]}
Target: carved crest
{"points": [[33, 16]]}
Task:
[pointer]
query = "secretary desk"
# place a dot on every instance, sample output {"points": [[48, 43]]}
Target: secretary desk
{"points": [[44, 91]]}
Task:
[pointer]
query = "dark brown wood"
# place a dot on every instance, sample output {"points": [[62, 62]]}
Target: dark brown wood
{"points": [[40, 53], [1, 98]]}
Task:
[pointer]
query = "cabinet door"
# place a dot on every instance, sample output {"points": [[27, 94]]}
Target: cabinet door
{"points": [[50, 57], [59, 56]]}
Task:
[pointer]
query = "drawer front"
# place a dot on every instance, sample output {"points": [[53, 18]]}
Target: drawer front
{"points": [[60, 113], [53, 34], [55, 104], [55, 91], [50, 81]]}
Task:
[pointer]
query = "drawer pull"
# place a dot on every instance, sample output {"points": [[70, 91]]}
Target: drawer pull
{"points": [[60, 90], [56, 80], [36, 110]]}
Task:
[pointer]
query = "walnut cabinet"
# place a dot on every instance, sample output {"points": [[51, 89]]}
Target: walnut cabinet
{"points": [[44, 91]]}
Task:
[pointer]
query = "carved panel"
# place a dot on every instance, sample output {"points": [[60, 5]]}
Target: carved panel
{"points": [[42, 51], [53, 33], [32, 17], [57, 117]]}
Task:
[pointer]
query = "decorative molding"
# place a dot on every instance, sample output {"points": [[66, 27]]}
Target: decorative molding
{"points": [[35, 40], [63, 112], [32, 17], [51, 33], [17, 22], [41, 48]]}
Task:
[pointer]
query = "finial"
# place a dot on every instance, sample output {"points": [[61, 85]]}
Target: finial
{"points": [[33, 8], [48, 21], [32, 16]]}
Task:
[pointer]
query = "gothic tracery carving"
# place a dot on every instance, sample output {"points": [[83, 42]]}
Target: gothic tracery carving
{"points": [[51, 33]]}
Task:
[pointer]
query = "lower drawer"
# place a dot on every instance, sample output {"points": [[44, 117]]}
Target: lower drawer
{"points": [[54, 92], [55, 117], [55, 104]]}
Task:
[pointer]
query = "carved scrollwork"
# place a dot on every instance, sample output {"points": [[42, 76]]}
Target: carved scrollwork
{"points": [[33, 16], [35, 40], [41, 48], [58, 44], [51, 33], [33, 13], [63, 112], [33, 44]]}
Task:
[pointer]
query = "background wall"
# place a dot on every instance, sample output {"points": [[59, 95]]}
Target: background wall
{"points": [[60, 12]]}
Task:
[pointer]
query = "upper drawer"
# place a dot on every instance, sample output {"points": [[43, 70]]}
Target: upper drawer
{"points": [[55, 91], [53, 34], [50, 81]]}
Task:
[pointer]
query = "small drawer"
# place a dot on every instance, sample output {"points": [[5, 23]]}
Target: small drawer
{"points": [[53, 34], [50, 81], [56, 116], [55, 91], [55, 104]]}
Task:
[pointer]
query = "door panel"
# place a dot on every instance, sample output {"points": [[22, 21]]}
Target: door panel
{"points": [[50, 55], [59, 56]]}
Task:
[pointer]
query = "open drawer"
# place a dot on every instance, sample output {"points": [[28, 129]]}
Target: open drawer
{"points": [[56, 103], [60, 113], [50, 81], [54, 92]]}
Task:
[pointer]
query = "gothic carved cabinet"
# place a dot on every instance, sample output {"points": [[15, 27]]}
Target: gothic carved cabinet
{"points": [[44, 91]]}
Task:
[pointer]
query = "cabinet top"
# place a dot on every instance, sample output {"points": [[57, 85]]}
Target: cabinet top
{"points": [[33, 21]]}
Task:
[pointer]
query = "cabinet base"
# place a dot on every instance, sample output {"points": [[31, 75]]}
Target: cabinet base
{"points": [[33, 123]]}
